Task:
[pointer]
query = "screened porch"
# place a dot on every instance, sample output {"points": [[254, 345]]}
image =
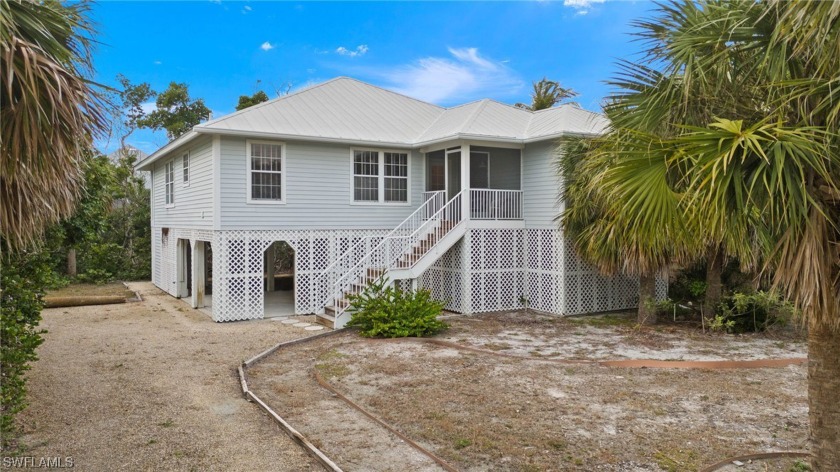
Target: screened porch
{"points": [[492, 177]]}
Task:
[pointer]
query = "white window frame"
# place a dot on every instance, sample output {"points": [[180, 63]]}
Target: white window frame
{"points": [[185, 169], [380, 176], [249, 171], [169, 183]]}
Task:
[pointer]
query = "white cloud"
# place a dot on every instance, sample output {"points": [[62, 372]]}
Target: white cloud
{"points": [[360, 50], [266, 46], [148, 107], [581, 6], [217, 2], [466, 75], [246, 9], [157, 63]]}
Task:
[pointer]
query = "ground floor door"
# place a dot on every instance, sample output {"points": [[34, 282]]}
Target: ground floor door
{"points": [[184, 268]]}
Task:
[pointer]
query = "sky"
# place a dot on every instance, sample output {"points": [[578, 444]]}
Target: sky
{"points": [[447, 53]]}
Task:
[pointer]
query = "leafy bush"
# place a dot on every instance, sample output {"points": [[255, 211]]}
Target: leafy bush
{"points": [[23, 278], [743, 312], [386, 311]]}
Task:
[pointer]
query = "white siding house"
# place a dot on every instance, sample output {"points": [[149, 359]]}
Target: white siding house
{"points": [[360, 181]]}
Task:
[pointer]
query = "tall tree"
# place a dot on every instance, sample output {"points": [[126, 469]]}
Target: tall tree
{"points": [[176, 112], [547, 93], [132, 97], [758, 168], [246, 101], [600, 176], [50, 113]]}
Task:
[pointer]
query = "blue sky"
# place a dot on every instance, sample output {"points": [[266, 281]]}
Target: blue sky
{"points": [[442, 52]]}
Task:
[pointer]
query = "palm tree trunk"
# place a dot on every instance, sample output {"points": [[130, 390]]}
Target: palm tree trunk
{"points": [[714, 269], [823, 386], [71, 262], [647, 297]]}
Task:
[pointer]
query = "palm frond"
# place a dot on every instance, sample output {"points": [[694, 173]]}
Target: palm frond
{"points": [[49, 117]]}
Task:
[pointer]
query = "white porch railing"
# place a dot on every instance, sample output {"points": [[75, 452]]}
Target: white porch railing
{"points": [[397, 249], [490, 204]]}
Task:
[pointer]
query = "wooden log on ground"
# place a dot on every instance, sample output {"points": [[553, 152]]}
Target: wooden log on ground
{"points": [[59, 302]]}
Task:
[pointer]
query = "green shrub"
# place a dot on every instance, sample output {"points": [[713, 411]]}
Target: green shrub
{"points": [[750, 312], [385, 311], [23, 277]]}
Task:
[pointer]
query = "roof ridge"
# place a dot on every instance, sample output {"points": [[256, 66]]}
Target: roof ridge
{"points": [[389, 91], [474, 115], [269, 102]]}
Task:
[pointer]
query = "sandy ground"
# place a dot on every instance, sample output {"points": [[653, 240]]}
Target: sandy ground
{"points": [[152, 386], [480, 411]]}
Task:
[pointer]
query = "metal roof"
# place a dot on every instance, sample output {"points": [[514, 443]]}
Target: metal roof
{"points": [[350, 111]]}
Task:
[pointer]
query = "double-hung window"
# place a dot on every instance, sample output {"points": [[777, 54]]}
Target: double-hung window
{"points": [[266, 172], [169, 182], [186, 167], [380, 177]]}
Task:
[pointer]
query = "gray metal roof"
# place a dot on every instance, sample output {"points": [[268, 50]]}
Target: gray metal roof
{"points": [[350, 111]]}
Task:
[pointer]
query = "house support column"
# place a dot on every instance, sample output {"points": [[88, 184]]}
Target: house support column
{"points": [[466, 277], [465, 181], [269, 268], [198, 274]]}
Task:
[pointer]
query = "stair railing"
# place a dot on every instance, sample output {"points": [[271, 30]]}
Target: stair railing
{"points": [[391, 249], [433, 201]]}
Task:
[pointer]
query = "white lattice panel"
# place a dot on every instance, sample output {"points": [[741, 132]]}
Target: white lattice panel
{"points": [[239, 292], [587, 291], [488, 270], [446, 278], [544, 282], [495, 269]]}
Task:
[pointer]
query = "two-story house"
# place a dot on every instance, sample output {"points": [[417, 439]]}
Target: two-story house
{"points": [[361, 181]]}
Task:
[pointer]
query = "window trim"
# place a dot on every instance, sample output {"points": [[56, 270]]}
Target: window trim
{"points": [[380, 176], [169, 171], [186, 170], [249, 171]]}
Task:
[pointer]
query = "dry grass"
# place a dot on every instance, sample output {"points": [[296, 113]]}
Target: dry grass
{"points": [[82, 290], [485, 412]]}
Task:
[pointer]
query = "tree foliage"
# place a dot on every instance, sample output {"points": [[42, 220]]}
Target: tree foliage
{"points": [[111, 227], [50, 113], [547, 93], [175, 111], [24, 275], [246, 101], [729, 127], [131, 100]]}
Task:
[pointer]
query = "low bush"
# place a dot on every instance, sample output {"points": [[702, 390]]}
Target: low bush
{"points": [[24, 276], [382, 310], [751, 312]]}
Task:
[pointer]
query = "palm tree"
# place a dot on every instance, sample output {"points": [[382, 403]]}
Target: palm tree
{"points": [[739, 103], [546, 94], [50, 114], [607, 182]]}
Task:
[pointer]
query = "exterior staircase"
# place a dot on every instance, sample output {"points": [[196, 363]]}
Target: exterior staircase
{"points": [[405, 253]]}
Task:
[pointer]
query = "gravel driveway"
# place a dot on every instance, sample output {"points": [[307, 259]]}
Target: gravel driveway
{"points": [[152, 386]]}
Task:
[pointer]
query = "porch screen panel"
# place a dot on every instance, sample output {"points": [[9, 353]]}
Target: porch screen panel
{"points": [[396, 177], [266, 171], [366, 176]]}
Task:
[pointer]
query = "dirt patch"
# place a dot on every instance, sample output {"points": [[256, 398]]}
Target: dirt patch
{"points": [[95, 290], [152, 386], [481, 411]]}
